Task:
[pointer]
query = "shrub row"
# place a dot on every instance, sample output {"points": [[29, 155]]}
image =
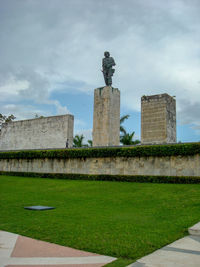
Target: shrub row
{"points": [[117, 178], [137, 151]]}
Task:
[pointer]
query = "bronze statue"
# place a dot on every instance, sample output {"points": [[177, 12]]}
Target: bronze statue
{"points": [[107, 64]]}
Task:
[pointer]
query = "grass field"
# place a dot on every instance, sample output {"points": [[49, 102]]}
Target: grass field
{"points": [[124, 220]]}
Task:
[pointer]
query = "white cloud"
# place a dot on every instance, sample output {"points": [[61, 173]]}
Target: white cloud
{"points": [[86, 133], [22, 112], [79, 124], [46, 47], [60, 109], [13, 86]]}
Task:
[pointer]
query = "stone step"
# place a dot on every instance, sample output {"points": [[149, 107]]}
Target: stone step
{"points": [[195, 229]]}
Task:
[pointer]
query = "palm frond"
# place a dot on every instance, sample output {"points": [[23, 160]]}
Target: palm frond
{"points": [[123, 118]]}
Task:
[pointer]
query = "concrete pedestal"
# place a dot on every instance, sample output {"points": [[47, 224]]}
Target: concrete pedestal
{"points": [[106, 117]]}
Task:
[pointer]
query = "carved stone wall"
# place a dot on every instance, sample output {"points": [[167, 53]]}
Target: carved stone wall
{"points": [[106, 117], [167, 166], [48, 132], [158, 119]]}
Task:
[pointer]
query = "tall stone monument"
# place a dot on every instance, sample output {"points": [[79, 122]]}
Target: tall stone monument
{"points": [[106, 116], [158, 119]]}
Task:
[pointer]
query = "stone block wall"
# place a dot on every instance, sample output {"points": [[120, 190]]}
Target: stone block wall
{"points": [[158, 119], [47, 132], [166, 166]]}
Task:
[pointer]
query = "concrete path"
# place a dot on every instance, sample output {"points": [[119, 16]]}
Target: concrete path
{"points": [[20, 251], [184, 252]]}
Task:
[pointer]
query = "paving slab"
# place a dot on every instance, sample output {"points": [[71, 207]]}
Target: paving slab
{"points": [[195, 229], [20, 251]]}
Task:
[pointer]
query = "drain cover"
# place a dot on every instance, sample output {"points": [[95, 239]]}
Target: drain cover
{"points": [[39, 208]]}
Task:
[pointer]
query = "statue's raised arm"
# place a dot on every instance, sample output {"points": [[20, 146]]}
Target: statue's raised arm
{"points": [[107, 64]]}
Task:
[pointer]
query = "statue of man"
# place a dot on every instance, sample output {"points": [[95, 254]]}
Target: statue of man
{"points": [[108, 71]]}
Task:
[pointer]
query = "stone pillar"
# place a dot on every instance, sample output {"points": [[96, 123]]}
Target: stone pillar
{"points": [[158, 119], [106, 117]]}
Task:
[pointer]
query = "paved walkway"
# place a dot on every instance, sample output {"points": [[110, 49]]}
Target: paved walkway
{"points": [[184, 252], [20, 251]]}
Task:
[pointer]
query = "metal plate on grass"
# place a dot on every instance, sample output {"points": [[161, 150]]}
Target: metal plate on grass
{"points": [[39, 208]]}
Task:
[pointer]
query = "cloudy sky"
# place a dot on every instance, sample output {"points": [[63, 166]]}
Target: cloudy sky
{"points": [[51, 52]]}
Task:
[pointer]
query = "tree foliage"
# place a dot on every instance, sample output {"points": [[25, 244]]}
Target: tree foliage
{"points": [[90, 143], [38, 116], [78, 140], [126, 138], [122, 119], [6, 119]]}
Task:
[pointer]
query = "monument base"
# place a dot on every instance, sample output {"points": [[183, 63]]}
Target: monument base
{"points": [[106, 117]]}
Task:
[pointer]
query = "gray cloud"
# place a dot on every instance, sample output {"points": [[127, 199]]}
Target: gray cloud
{"points": [[47, 45], [184, 113]]}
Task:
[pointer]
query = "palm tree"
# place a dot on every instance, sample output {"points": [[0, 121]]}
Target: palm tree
{"points": [[90, 142], [126, 138], [122, 119], [78, 140], [137, 141]]}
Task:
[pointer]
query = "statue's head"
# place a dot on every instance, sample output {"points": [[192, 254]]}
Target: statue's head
{"points": [[106, 54]]}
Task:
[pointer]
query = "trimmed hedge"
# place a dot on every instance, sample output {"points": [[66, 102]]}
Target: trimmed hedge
{"points": [[106, 177], [136, 151]]}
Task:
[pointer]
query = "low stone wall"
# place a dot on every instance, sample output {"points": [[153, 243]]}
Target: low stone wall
{"points": [[166, 166]]}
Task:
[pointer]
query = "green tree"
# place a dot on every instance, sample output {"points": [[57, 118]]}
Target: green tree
{"points": [[78, 140], [90, 142], [126, 138], [38, 117], [135, 142], [122, 119], [6, 119]]}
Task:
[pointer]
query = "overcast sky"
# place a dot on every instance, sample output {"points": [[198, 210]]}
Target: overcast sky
{"points": [[51, 52]]}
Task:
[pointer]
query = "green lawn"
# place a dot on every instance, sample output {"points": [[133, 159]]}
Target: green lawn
{"points": [[124, 220]]}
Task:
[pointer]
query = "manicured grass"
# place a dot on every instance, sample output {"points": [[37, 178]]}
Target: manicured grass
{"points": [[124, 220]]}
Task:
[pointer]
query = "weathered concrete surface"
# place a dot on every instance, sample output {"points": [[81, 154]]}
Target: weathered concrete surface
{"points": [[195, 229], [158, 119], [184, 252], [168, 166], [48, 132], [106, 116]]}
